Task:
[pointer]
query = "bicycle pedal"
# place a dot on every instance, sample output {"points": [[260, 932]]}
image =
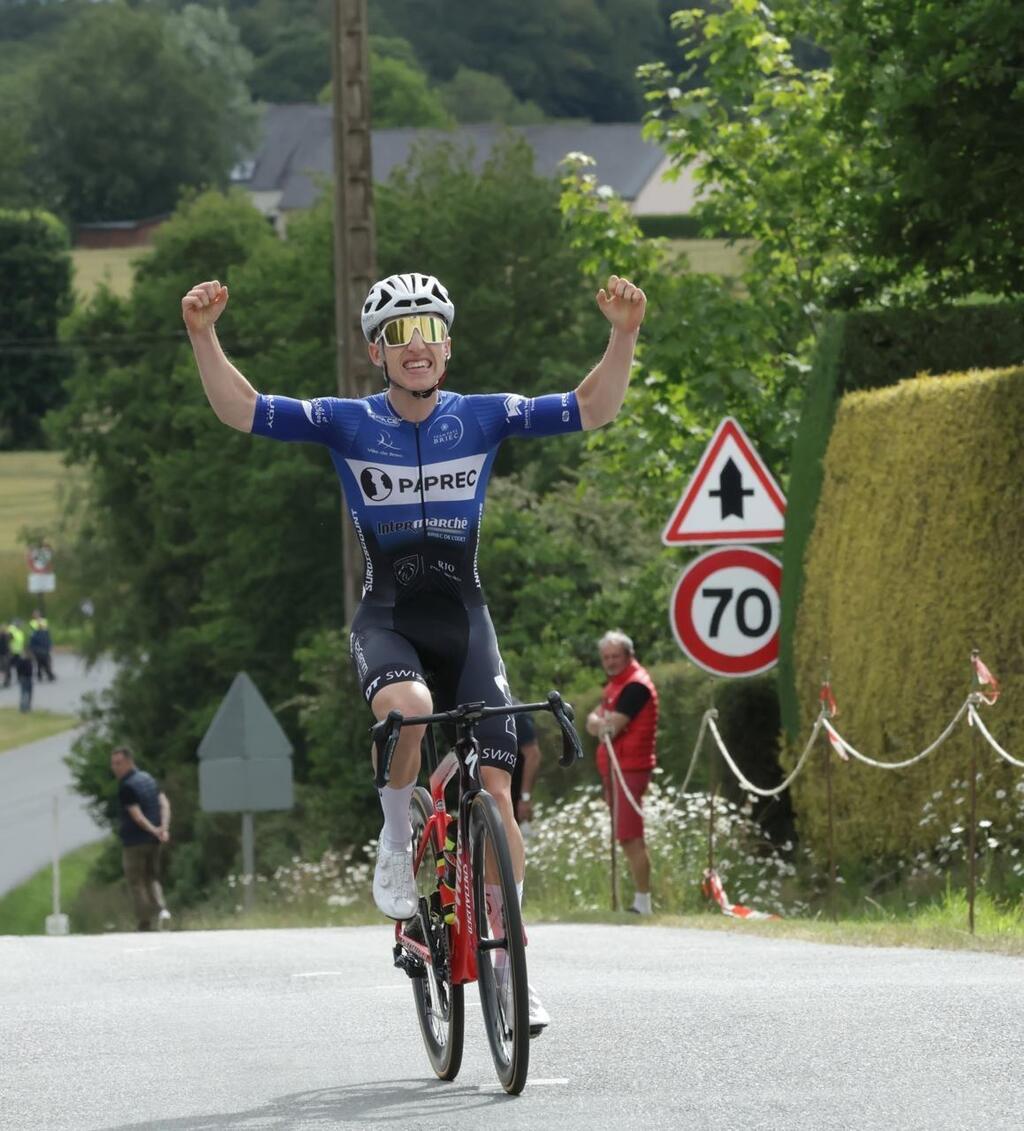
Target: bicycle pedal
{"points": [[412, 965]]}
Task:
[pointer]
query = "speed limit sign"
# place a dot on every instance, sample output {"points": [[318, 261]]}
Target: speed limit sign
{"points": [[725, 611]]}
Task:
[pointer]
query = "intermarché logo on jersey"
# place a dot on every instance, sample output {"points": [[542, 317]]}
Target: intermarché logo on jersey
{"points": [[449, 481]]}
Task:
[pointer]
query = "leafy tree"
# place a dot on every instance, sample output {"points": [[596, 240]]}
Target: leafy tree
{"points": [[475, 96], [879, 176], [525, 320], [162, 111], [932, 95], [707, 349], [295, 64], [207, 552], [400, 92], [574, 58], [35, 293]]}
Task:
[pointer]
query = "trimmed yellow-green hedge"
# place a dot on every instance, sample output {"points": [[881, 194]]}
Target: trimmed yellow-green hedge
{"points": [[917, 556], [873, 349]]}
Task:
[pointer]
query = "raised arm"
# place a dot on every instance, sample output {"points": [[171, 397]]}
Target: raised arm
{"points": [[600, 394], [230, 395]]}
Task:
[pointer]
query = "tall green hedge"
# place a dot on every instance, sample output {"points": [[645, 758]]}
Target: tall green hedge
{"points": [[915, 559], [871, 350]]}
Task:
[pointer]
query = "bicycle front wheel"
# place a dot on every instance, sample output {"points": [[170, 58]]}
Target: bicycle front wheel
{"points": [[440, 1007], [501, 954]]}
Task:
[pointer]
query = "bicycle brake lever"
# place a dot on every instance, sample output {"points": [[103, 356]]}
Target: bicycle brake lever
{"points": [[385, 739], [572, 748]]}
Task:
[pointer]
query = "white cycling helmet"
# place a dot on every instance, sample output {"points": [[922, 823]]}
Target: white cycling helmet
{"points": [[404, 294]]}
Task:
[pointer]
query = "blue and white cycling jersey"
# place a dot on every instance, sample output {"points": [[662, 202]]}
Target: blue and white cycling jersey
{"points": [[416, 491]]}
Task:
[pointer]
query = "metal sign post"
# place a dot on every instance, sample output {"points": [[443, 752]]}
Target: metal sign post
{"points": [[56, 923]]}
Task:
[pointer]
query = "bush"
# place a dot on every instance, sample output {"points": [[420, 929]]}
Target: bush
{"points": [[871, 350], [907, 571]]}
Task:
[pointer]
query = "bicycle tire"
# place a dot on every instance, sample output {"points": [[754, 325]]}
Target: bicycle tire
{"points": [[440, 1006], [504, 993]]}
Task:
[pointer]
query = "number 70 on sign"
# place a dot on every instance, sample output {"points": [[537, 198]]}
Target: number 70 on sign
{"points": [[724, 611]]}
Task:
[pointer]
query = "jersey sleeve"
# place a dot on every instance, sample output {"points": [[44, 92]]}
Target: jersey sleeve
{"points": [[324, 420], [509, 414]]}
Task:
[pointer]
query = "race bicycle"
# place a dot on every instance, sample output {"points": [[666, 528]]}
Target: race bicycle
{"points": [[452, 940]]}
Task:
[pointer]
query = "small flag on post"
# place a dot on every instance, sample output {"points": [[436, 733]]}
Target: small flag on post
{"points": [[828, 699], [985, 679]]}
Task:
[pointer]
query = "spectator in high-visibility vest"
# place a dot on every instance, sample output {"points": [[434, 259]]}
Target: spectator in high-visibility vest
{"points": [[17, 635], [628, 716]]}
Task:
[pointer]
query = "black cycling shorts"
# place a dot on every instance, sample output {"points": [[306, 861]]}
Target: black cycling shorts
{"points": [[450, 648]]}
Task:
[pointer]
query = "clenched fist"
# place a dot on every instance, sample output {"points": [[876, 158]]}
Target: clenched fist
{"points": [[203, 305], [623, 304]]}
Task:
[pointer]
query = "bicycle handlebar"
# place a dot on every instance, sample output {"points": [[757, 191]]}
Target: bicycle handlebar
{"points": [[386, 732]]}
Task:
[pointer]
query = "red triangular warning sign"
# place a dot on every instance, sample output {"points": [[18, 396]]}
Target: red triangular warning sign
{"points": [[731, 497]]}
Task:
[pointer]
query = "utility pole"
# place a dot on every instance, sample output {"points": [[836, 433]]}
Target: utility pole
{"points": [[355, 251]]}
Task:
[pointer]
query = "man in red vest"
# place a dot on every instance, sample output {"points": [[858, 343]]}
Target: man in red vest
{"points": [[628, 715]]}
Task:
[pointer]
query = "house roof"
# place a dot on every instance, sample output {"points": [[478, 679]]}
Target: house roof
{"points": [[296, 151]]}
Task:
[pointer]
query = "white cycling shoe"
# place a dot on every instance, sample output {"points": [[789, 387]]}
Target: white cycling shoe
{"points": [[539, 1019], [394, 886]]}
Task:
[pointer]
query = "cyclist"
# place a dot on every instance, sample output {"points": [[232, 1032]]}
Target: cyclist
{"points": [[414, 461]]}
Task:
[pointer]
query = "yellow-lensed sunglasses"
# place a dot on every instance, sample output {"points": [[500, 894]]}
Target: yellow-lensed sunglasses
{"points": [[398, 331]]}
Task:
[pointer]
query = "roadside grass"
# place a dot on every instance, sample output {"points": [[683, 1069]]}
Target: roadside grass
{"points": [[23, 910], [940, 928], [17, 729], [114, 266]]}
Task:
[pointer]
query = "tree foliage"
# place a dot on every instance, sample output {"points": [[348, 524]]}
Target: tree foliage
{"points": [[207, 552], [707, 349], [881, 171], [35, 293], [131, 106], [574, 58], [933, 95]]}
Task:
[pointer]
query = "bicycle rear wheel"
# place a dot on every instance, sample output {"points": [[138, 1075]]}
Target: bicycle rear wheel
{"points": [[501, 954], [440, 1006]]}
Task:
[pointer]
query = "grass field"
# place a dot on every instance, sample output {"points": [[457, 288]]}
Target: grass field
{"points": [[17, 729], [115, 266], [23, 911], [31, 488], [713, 257], [30, 491]]}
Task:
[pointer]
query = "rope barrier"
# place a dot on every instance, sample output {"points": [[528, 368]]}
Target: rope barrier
{"points": [[699, 743], [843, 748], [835, 736], [975, 720], [741, 777], [617, 771]]}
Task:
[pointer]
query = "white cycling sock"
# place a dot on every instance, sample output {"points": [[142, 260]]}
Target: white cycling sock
{"points": [[642, 902], [397, 831]]}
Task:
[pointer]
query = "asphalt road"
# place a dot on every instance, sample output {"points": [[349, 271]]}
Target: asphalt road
{"points": [[31, 776], [652, 1027]]}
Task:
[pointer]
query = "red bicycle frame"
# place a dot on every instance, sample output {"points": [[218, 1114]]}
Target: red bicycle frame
{"points": [[463, 934]]}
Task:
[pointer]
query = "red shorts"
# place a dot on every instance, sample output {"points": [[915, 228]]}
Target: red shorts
{"points": [[629, 825]]}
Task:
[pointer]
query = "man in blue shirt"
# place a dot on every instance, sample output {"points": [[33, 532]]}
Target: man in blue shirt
{"points": [[413, 462], [145, 827]]}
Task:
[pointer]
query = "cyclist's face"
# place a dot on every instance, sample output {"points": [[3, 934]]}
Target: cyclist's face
{"points": [[614, 658], [417, 364]]}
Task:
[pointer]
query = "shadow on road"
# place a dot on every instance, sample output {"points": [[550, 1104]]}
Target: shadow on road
{"points": [[405, 1103]]}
